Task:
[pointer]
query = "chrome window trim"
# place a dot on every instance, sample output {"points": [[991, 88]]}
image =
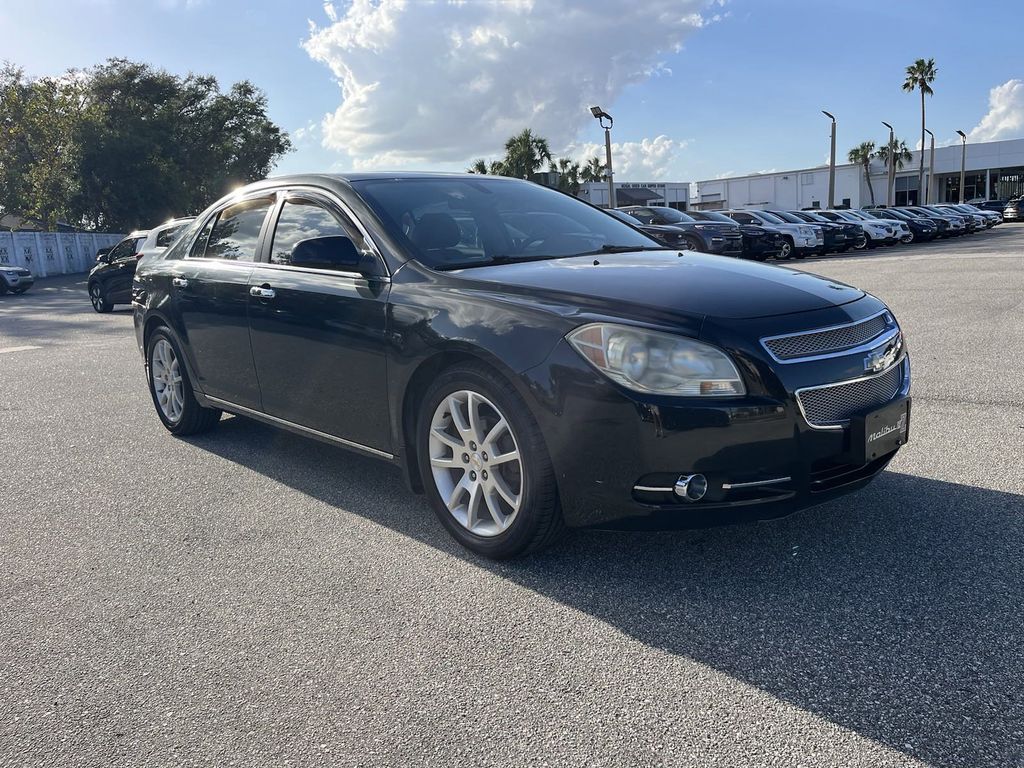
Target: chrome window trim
{"points": [[266, 417], [331, 272], [868, 345], [187, 256], [843, 424]]}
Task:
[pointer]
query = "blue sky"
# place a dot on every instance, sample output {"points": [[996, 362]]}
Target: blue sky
{"points": [[698, 88]]}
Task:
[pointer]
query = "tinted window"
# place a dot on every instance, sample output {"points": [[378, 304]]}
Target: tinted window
{"points": [[786, 217], [236, 234], [303, 219], [670, 215], [743, 218], [168, 236], [457, 222], [123, 250]]}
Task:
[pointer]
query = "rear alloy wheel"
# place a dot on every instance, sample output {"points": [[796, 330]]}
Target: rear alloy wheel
{"points": [[176, 405], [484, 465], [99, 299]]}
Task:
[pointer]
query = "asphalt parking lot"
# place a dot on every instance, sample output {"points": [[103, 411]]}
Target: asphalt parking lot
{"points": [[250, 597]]}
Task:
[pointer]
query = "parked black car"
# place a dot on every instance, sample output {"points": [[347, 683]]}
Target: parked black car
{"points": [[921, 229], [706, 237], [1014, 210], [759, 243], [670, 236], [843, 236], [15, 279], [524, 377], [992, 205], [110, 281], [942, 225]]}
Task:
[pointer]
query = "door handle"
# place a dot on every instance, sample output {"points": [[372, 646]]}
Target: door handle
{"points": [[179, 282], [262, 292]]}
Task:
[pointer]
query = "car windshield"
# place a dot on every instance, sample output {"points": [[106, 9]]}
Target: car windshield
{"points": [[623, 216], [712, 216], [768, 217], [812, 216], [671, 215], [788, 217], [451, 223], [860, 215]]}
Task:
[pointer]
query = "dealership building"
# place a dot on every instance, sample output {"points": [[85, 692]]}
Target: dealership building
{"points": [[670, 194], [993, 171]]}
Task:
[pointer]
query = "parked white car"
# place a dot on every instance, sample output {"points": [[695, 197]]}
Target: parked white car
{"points": [[800, 239], [162, 236], [876, 231], [903, 233]]}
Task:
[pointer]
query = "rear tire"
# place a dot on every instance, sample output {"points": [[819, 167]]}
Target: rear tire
{"points": [[171, 389], [98, 297], [467, 418]]}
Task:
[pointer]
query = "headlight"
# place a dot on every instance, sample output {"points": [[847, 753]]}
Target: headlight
{"points": [[659, 363]]}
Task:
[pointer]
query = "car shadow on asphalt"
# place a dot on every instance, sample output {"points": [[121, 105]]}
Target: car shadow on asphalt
{"points": [[894, 612]]}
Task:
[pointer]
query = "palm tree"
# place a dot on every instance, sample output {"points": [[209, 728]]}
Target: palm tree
{"points": [[901, 154], [593, 170], [482, 166], [861, 155], [568, 175], [920, 75], [525, 154]]}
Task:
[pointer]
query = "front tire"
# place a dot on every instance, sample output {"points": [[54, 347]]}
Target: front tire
{"points": [[786, 250], [171, 390], [98, 297], [485, 466]]}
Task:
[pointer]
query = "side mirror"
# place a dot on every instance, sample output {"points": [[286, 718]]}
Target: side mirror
{"points": [[334, 252]]}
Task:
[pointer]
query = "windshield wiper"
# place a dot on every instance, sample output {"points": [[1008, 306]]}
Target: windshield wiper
{"points": [[503, 258], [626, 249]]}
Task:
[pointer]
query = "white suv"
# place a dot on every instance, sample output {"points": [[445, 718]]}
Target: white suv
{"points": [[798, 239], [162, 236]]}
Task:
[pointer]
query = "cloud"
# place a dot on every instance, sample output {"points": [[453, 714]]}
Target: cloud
{"points": [[449, 80], [1005, 118], [645, 160]]}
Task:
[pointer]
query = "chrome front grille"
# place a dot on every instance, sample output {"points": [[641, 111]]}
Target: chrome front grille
{"points": [[833, 405], [827, 341]]}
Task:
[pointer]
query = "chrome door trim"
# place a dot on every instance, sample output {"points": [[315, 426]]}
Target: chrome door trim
{"points": [[241, 410]]}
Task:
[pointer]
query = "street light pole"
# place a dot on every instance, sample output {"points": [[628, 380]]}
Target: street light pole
{"points": [[892, 166], [606, 122], [831, 163], [963, 162], [931, 171]]}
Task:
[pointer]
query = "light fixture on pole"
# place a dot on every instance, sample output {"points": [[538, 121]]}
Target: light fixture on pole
{"points": [[891, 178], [963, 163], [831, 163], [606, 122], [931, 170]]}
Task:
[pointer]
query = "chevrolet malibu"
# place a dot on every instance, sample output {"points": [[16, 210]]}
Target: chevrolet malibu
{"points": [[529, 361]]}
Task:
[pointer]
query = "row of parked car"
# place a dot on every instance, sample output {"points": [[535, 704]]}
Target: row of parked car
{"points": [[765, 234]]}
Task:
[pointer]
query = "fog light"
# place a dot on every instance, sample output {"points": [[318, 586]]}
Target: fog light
{"points": [[691, 487]]}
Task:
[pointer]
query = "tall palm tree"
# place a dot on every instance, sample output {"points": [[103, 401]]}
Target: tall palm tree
{"points": [[900, 152], [568, 175], [525, 154], [861, 155], [482, 166], [920, 75], [593, 170]]}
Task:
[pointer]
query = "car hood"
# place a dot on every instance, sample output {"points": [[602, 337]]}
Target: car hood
{"points": [[672, 282]]}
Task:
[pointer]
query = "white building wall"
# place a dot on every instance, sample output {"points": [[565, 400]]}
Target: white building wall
{"points": [[674, 194]]}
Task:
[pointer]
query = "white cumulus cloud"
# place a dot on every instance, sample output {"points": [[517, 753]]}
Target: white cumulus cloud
{"points": [[645, 160], [1005, 117], [449, 80]]}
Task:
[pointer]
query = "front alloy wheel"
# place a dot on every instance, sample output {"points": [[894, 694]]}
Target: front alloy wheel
{"points": [[787, 250], [484, 464], [475, 463]]}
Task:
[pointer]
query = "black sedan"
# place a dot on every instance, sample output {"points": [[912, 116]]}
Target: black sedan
{"points": [[759, 243], [706, 237], [527, 360], [670, 236]]}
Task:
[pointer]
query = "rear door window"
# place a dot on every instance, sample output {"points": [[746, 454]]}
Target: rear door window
{"points": [[236, 233]]}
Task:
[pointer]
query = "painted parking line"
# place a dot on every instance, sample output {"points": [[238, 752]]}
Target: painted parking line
{"points": [[5, 350]]}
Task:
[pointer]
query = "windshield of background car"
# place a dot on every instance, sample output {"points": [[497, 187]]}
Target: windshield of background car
{"points": [[165, 238], [771, 218], [848, 216], [713, 216], [672, 216], [448, 223], [789, 217], [811, 216]]}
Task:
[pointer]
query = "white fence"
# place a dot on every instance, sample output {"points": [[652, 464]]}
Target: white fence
{"points": [[53, 253]]}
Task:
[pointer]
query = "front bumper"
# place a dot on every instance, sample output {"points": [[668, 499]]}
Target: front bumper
{"points": [[725, 245], [18, 282], [615, 452]]}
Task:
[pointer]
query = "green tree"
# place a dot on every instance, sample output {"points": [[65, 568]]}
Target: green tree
{"points": [[901, 154], [482, 166], [568, 175], [920, 76], [593, 170], [861, 155], [525, 155], [38, 154]]}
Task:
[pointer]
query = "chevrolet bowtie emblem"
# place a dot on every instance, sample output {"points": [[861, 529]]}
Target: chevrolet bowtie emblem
{"points": [[883, 357]]}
